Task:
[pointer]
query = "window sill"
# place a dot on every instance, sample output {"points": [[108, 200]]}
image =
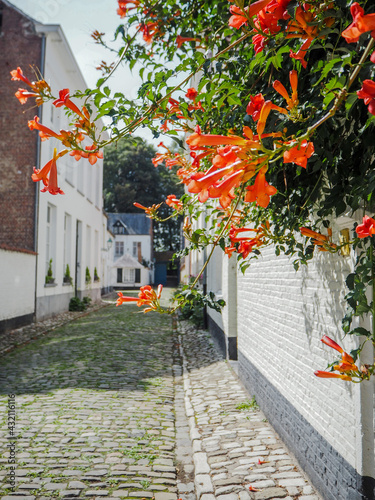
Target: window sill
{"points": [[50, 285]]}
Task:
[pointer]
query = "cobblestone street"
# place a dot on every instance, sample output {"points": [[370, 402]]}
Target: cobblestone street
{"points": [[118, 404]]}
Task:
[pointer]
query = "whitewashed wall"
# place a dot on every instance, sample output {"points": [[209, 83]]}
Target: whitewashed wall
{"points": [[279, 316], [145, 279], [222, 280], [82, 201], [282, 315], [128, 240], [17, 289]]}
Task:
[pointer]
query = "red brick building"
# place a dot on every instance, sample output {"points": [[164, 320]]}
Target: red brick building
{"points": [[20, 45], [39, 231], [19, 148]]}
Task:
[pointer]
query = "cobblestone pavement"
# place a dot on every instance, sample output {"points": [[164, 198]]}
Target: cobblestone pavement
{"points": [[94, 409], [235, 449], [119, 405], [25, 334]]}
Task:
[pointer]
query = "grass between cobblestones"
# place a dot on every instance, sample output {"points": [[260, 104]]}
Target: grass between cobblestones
{"points": [[94, 409]]}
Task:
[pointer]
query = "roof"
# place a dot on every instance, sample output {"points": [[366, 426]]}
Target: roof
{"points": [[128, 261], [44, 29], [134, 223]]}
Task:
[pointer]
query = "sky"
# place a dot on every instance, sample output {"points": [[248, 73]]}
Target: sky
{"points": [[79, 18]]}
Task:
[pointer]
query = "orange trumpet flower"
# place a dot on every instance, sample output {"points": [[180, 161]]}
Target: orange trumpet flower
{"points": [[323, 242], [17, 74], [146, 297], [292, 102], [182, 39], [197, 139], [331, 343], [299, 153], [301, 52], [44, 132], [50, 182], [191, 93], [367, 228], [361, 24], [264, 112], [261, 191], [346, 366], [174, 202], [22, 95], [323, 374], [64, 100], [239, 18]]}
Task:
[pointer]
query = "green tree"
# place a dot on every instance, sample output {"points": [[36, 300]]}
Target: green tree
{"points": [[130, 176]]}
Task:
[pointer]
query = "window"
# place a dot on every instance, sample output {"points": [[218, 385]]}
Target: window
{"points": [[89, 180], [119, 249], [80, 177], [98, 185], [69, 171], [118, 228], [51, 237], [119, 275], [88, 247], [137, 275], [129, 275], [96, 250], [67, 240]]}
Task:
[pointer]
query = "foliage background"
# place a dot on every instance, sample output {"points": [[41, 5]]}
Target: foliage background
{"points": [[130, 176]]}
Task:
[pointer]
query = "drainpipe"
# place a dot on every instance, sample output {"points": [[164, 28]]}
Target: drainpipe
{"points": [[205, 313], [37, 163], [77, 263], [364, 406]]}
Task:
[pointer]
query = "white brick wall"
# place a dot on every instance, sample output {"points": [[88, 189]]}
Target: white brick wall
{"points": [[282, 315], [17, 284]]}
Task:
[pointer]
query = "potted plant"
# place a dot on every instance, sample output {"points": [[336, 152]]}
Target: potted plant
{"points": [[96, 276], [67, 278], [88, 276], [49, 277]]}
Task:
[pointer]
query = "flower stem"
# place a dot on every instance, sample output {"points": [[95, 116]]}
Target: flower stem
{"points": [[216, 241], [344, 91], [135, 123], [373, 286]]}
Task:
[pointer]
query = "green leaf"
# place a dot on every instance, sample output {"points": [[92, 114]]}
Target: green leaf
{"points": [[359, 331], [350, 281]]}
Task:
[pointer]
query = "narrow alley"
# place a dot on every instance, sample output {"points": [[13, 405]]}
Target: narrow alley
{"points": [[120, 404]]}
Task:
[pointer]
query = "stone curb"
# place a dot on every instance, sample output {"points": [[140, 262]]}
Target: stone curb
{"points": [[203, 483], [231, 454]]}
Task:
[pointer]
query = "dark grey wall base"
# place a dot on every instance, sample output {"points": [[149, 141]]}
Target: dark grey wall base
{"points": [[12, 323], [232, 348], [226, 345], [218, 336], [329, 472]]}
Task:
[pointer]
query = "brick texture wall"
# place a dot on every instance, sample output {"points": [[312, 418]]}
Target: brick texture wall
{"points": [[19, 46], [282, 316]]}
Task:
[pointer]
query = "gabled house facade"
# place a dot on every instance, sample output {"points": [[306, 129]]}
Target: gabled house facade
{"points": [[132, 253], [42, 236]]}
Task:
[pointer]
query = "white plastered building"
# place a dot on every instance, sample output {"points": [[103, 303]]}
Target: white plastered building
{"points": [[72, 228]]}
